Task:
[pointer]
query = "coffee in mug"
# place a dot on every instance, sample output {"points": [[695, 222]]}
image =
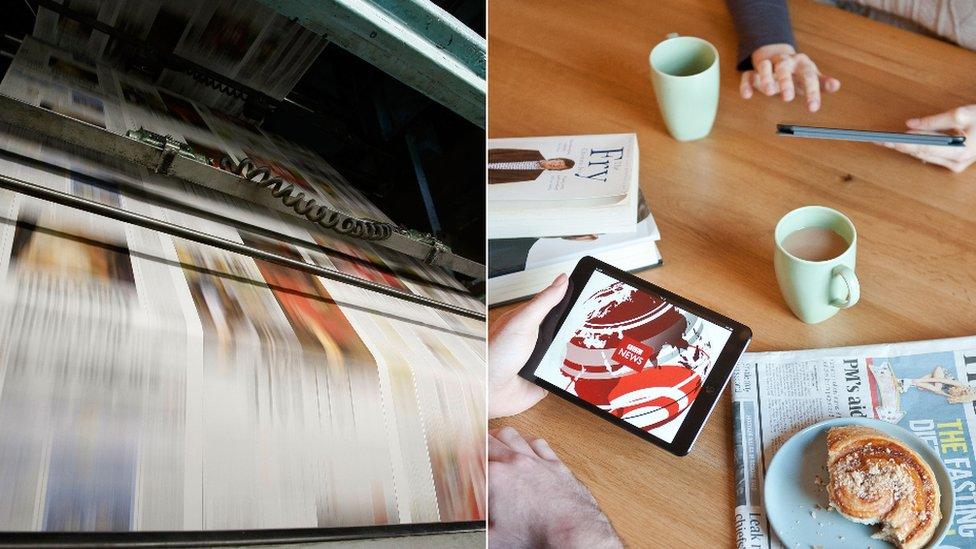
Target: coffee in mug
{"points": [[815, 244], [814, 260]]}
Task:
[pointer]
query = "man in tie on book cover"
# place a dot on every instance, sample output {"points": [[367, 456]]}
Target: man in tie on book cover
{"points": [[517, 165]]}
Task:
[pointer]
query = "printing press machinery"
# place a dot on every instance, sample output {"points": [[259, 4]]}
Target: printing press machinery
{"points": [[415, 42]]}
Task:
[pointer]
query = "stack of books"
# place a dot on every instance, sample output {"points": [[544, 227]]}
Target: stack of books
{"points": [[553, 200]]}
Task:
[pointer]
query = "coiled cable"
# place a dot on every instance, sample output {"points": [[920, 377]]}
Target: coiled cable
{"points": [[212, 82], [320, 214]]}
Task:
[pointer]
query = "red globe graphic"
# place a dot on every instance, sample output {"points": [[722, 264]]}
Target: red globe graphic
{"points": [[655, 396], [649, 398]]}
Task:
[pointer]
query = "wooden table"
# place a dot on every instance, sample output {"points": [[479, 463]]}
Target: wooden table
{"points": [[560, 67]]}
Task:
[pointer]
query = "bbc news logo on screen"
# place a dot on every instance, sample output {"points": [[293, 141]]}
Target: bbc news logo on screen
{"points": [[633, 354]]}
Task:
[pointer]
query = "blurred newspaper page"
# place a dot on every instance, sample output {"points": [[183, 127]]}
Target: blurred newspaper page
{"points": [[149, 383], [247, 42], [924, 386]]}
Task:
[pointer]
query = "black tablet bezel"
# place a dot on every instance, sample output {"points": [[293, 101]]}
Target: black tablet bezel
{"points": [[712, 387]]}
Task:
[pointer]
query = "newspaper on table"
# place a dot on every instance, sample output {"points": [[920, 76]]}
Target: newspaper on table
{"points": [[153, 383], [927, 387]]}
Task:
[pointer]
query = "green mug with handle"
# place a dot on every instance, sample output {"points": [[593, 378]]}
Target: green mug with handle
{"points": [[816, 289], [684, 71]]}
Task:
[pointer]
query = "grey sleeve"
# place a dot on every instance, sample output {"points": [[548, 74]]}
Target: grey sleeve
{"points": [[758, 23]]}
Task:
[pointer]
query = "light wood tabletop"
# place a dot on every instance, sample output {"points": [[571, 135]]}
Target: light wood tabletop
{"points": [[560, 67]]}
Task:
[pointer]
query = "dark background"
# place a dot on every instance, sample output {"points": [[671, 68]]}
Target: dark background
{"points": [[361, 124]]}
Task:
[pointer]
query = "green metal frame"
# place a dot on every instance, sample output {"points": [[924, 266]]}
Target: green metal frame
{"points": [[413, 41]]}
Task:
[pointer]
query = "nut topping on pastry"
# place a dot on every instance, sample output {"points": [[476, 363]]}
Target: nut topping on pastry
{"points": [[875, 479]]}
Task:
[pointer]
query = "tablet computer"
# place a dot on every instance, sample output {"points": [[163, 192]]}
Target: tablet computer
{"points": [[843, 134], [635, 354]]}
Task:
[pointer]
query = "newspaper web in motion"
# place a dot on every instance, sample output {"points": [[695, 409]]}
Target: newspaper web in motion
{"points": [[152, 383]]}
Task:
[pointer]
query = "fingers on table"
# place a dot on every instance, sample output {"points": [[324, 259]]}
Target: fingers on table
{"points": [[745, 84], [498, 450], [543, 450], [514, 440], [764, 81], [829, 83], [809, 78], [784, 77], [504, 443]]}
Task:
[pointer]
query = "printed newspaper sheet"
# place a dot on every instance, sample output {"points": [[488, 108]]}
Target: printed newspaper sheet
{"points": [[152, 383], [925, 387], [247, 42]]}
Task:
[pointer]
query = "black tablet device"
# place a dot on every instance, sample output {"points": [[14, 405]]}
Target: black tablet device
{"points": [[843, 134], [637, 355]]}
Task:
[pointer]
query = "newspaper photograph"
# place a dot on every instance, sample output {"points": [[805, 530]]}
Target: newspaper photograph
{"points": [[927, 387]]}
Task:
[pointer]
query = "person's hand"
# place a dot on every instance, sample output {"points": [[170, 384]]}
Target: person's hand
{"points": [[778, 69], [510, 343], [958, 121], [535, 501]]}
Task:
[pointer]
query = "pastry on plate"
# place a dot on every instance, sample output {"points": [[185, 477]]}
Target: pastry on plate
{"points": [[875, 479]]}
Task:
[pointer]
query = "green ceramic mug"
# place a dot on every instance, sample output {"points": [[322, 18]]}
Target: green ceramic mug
{"points": [[816, 290], [684, 70]]}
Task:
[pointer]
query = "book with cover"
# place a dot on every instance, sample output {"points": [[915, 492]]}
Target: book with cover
{"points": [[521, 267], [562, 186]]}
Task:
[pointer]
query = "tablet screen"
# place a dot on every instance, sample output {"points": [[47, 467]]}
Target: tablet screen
{"points": [[634, 354]]}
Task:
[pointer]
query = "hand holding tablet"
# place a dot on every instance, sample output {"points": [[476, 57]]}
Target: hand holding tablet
{"points": [[510, 343], [637, 355], [815, 132]]}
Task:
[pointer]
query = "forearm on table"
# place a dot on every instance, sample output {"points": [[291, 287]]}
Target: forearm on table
{"points": [[589, 530], [759, 23], [602, 538]]}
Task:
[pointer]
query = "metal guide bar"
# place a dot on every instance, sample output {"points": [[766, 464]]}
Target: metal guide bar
{"points": [[237, 538], [63, 128], [413, 41], [65, 199], [169, 193]]}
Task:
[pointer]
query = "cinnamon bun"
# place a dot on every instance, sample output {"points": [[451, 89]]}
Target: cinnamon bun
{"points": [[875, 479]]}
